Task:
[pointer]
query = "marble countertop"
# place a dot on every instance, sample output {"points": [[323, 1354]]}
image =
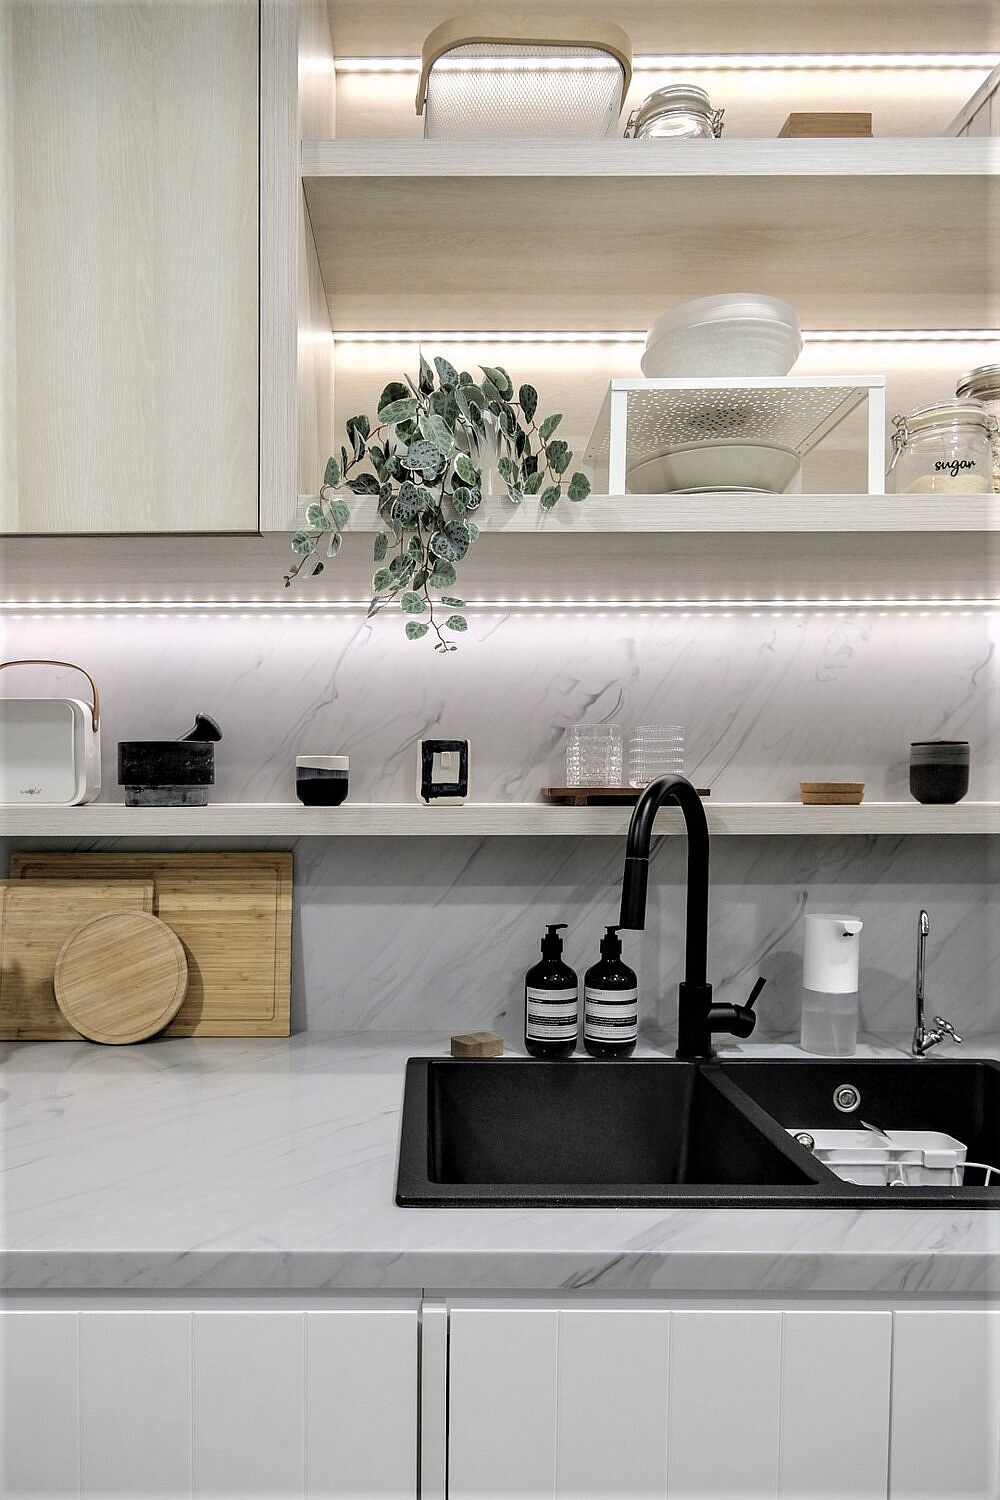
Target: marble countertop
{"points": [[269, 1165]]}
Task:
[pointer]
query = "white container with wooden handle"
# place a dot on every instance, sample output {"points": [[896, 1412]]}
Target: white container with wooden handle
{"points": [[50, 748]]}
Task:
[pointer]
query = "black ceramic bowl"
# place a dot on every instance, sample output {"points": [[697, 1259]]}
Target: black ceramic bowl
{"points": [[939, 770], [321, 780]]}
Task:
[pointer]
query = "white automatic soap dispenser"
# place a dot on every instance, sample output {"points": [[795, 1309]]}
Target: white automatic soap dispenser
{"points": [[831, 962]]}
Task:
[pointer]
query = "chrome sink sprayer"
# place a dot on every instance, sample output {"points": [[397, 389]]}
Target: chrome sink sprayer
{"points": [[924, 1040], [697, 1016]]}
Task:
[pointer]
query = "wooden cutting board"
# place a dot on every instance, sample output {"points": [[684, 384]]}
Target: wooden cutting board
{"points": [[232, 912], [121, 978], [36, 918]]}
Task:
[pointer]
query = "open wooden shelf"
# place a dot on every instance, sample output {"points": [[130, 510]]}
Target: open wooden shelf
{"points": [[611, 547], [855, 233], [482, 820]]}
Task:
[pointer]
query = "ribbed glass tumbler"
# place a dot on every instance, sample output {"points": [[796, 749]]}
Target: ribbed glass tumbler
{"points": [[594, 755], [654, 750]]}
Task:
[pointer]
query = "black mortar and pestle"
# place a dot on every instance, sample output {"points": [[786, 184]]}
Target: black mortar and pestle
{"points": [[170, 773]]}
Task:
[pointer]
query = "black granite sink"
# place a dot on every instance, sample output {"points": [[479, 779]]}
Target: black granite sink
{"points": [[661, 1133]]}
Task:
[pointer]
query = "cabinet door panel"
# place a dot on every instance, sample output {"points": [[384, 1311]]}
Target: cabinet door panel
{"points": [[502, 1403], [361, 1404], [39, 1417], [135, 1403], [722, 1436], [612, 1412], [945, 1406], [132, 266], [836, 1369], [248, 1399]]}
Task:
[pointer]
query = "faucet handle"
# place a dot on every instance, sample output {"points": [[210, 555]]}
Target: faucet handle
{"points": [[947, 1028], [751, 999]]}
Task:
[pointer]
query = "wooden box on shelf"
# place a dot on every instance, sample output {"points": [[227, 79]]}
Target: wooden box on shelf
{"points": [[812, 126]]}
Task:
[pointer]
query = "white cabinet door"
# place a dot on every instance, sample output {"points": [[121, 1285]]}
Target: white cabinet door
{"points": [[945, 1406], [199, 1403], [589, 1402], [129, 266]]}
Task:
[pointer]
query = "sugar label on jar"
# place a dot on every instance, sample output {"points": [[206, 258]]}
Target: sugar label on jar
{"points": [[551, 1015], [611, 1015]]}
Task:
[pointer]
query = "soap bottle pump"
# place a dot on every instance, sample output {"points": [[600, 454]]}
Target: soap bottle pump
{"points": [[551, 1000], [611, 1002]]}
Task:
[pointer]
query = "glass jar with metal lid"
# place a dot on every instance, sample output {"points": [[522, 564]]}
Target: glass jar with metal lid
{"points": [[678, 110], [983, 384], [943, 449]]}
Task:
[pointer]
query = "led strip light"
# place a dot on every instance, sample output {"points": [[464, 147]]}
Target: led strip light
{"points": [[729, 61], [527, 606], [635, 336]]}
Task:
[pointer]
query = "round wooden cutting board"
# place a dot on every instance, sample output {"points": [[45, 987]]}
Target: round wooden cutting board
{"points": [[121, 978]]}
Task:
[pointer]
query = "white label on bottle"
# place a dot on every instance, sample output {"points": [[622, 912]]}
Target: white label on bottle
{"points": [[551, 1015], [611, 1015]]}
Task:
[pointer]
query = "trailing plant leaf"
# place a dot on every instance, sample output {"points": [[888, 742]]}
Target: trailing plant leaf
{"points": [[365, 484], [453, 603], [401, 567], [394, 391], [548, 427], [303, 543], [533, 483], [528, 398], [579, 487], [466, 469], [317, 518], [423, 458], [456, 622], [499, 378], [558, 455], [358, 429], [398, 411], [340, 512], [382, 580], [443, 575], [381, 547], [507, 469], [437, 432], [426, 377], [444, 404], [549, 497], [447, 374], [452, 542], [331, 474], [334, 545], [415, 630], [406, 505], [412, 604]]}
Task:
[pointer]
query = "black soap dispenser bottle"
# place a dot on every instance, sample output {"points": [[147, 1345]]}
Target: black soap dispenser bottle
{"points": [[551, 1001], [611, 1002]]}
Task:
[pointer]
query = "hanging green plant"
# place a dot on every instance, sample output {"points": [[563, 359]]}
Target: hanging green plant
{"points": [[425, 460]]}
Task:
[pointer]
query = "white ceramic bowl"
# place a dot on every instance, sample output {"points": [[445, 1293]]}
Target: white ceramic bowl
{"points": [[737, 334], [728, 465]]}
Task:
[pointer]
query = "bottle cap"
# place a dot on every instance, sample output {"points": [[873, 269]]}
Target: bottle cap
{"points": [[611, 943], [552, 945]]}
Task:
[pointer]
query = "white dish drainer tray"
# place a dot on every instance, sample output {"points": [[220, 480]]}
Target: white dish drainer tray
{"points": [[640, 418], [899, 1158]]}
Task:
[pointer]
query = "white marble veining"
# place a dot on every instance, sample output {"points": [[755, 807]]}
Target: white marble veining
{"points": [[437, 933], [271, 1165]]}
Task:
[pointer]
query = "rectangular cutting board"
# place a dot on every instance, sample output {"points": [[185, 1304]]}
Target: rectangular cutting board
{"points": [[36, 918], [232, 912]]}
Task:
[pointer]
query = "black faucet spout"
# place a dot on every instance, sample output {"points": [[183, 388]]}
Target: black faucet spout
{"points": [[697, 1017]]}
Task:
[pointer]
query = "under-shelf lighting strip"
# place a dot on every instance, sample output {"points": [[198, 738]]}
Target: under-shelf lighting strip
{"points": [[637, 336], [715, 606], [750, 62]]}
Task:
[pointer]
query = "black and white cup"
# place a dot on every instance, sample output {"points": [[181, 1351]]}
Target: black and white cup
{"points": [[321, 780], [939, 770]]}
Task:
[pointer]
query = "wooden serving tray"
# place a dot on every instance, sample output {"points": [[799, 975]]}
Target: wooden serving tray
{"points": [[611, 796], [232, 912]]}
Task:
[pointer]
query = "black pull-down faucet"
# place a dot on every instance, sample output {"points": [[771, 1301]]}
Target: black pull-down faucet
{"points": [[697, 1016]]}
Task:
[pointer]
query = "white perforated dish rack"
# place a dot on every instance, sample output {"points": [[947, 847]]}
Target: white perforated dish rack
{"points": [[640, 418]]}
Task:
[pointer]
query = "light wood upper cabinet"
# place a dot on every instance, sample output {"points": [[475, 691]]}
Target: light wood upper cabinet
{"points": [[129, 265]]}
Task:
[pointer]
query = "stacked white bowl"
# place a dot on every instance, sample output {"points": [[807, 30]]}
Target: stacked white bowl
{"points": [[736, 335], [739, 333]]}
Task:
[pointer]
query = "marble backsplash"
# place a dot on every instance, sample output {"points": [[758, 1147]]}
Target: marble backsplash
{"points": [[437, 933]]}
